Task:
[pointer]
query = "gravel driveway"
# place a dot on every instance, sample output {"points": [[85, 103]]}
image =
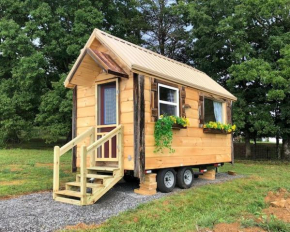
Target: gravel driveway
{"points": [[39, 212]]}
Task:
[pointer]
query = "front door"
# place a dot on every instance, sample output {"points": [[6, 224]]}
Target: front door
{"points": [[107, 107]]}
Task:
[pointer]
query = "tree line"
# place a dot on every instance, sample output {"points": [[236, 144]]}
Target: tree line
{"points": [[243, 44]]}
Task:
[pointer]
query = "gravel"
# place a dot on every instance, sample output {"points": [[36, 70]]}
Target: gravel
{"points": [[39, 212]]}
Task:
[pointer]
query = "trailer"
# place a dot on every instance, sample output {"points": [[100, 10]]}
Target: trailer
{"points": [[119, 91]]}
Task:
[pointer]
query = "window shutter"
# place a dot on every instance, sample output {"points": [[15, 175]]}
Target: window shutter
{"points": [[229, 111], [154, 100], [201, 109], [182, 97]]}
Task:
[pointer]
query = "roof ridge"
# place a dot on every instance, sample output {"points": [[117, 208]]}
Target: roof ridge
{"points": [[149, 51]]}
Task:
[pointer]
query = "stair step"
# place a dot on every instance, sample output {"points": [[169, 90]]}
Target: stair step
{"points": [[96, 176], [70, 193], [104, 169], [89, 185], [68, 200]]}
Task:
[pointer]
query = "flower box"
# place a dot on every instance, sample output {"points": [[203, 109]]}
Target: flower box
{"points": [[215, 131], [178, 127]]}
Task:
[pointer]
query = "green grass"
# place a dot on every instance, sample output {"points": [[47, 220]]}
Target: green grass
{"points": [[25, 171], [208, 205]]}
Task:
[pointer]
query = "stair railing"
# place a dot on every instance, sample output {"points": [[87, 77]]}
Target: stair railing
{"points": [[58, 152], [118, 131]]}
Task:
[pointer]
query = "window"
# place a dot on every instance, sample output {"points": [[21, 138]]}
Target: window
{"points": [[109, 105], [212, 111], [168, 100]]}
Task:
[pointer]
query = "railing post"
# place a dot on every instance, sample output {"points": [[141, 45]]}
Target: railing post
{"points": [[92, 155], [120, 150], [83, 172], [56, 170]]}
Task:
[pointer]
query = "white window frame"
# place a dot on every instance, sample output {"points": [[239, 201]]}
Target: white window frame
{"points": [[167, 102]]}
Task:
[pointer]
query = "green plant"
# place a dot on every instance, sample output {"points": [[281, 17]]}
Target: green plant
{"points": [[220, 126], [163, 131]]}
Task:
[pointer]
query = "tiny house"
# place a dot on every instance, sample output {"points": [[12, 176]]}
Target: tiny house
{"points": [[119, 92]]}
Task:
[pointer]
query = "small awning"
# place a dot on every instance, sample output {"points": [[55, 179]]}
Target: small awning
{"points": [[103, 62], [107, 63]]}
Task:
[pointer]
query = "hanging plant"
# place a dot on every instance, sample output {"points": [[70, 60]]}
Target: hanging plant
{"points": [[163, 134]]}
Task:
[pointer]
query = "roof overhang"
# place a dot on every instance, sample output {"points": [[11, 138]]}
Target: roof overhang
{"points": [[166, 77], [103, 60]]}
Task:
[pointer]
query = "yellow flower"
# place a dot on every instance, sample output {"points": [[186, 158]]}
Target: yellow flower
{"points": [[229, 130], [161, 116], [234, 127]]}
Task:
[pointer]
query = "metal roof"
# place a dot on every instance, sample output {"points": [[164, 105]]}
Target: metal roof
{"points": [[144, 60], [137, 58]]}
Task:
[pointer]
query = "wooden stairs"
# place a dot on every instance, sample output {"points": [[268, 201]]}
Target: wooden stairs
{"points": [[99, 181], [93, 181]]}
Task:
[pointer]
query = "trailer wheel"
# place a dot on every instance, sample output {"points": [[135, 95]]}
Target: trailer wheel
{"points": [[184, 177], [166, 180]]}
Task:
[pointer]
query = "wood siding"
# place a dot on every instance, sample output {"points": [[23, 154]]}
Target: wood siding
{"points": [[192, 146], [85, 114], [86, 109]]}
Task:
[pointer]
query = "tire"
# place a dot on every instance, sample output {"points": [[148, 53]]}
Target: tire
{"points": [[185, 177], [166, 180]]}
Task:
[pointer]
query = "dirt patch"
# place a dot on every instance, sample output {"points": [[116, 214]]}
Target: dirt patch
{"points": [[279, 205], [12, 182], [233, 227], [280, 213], [82, 226], [49, 165], [282, 194]]}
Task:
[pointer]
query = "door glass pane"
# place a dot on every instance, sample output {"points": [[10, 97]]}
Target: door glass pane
{"points": [[167, 94], [168, 109], [109, 105]]}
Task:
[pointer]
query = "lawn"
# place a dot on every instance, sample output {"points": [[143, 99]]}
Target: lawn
{"points": [[239, 200], [24, 171]]}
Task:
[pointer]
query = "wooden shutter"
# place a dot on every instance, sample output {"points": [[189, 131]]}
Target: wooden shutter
{"points": [[154, 100], [201, 109], [182, 97], [229, 111]]}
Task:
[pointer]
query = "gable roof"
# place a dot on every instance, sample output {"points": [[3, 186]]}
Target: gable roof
{"points": [[144, 60]]}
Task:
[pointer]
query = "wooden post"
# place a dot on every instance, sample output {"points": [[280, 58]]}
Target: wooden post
{"points": [[83, 173], [56, 170], [92, 155], [120, 151], [139, 127], [74, 129]]}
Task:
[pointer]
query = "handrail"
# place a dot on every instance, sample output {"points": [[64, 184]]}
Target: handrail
{"points": [[76, 140], [58, 152], [104, 139], [85, 150]]}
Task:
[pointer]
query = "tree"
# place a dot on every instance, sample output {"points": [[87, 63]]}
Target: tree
{"points": [[39, 42], [165, 32], [284, 123], [239, 43]]}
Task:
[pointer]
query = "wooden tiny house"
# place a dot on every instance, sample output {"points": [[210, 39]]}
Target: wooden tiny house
{"points": [[119, 91]]}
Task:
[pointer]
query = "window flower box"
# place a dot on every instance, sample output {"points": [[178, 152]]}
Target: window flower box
{"points": [[178, 126], [218, 128], [215, 131]]}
